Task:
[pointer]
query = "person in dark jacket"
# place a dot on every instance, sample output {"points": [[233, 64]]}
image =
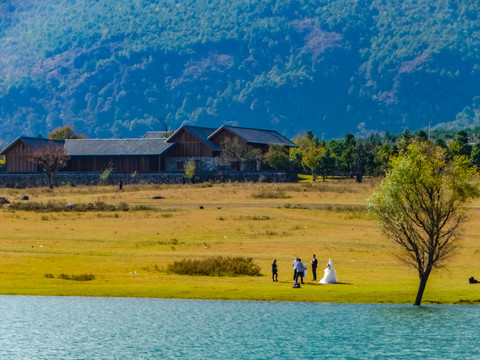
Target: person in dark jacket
{"points": [[314, 264], [274, 270]]}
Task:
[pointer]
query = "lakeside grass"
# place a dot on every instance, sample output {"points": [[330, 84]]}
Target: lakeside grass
{"points": [[128, 251]]}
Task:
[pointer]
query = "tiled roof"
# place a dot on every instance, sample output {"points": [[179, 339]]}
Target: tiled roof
{"points": [[202, 133], [116, 147], [33, 142], [156, 134], [257, 136]]}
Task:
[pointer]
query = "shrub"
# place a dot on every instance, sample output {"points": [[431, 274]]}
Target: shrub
{"points": [[101, 206], [266, 193], [60, 206], [190, 168], [81, 277], [142, 208], [216, 266], [123, 206], [103, 177], [256, 217]]}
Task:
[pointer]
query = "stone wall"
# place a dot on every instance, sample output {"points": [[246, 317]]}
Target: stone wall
{"points": [[35, 180], [205, 165]]}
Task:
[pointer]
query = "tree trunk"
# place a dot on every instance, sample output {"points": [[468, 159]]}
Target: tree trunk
{"points": [[49, 179], [421, 288]]}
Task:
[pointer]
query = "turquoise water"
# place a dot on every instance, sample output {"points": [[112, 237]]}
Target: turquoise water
{"points": [[124, 328]]}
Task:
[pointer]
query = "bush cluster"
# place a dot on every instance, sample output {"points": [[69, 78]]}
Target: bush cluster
{"points": [[270, 194], [216, 266], [81, 277], [60, 206]]}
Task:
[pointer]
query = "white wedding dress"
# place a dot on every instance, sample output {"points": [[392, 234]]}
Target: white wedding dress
{"points": [[330, 276]]}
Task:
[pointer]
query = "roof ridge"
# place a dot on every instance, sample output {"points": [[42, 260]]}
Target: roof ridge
{"points": [[136, 139], [249, 128]]}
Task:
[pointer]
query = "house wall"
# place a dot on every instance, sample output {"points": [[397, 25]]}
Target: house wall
{"points": [[18, 159], [187, 145], [120, 164]]}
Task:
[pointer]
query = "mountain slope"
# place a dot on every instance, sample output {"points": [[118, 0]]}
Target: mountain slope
{"points": [[119, 68]]}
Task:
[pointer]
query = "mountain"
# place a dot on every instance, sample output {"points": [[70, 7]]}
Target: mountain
{"points": [[120, 68]]}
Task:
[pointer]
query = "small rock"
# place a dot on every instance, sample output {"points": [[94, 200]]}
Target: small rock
{"points": [[157, 197], [200, 207], [25, 197], [4, 201]]}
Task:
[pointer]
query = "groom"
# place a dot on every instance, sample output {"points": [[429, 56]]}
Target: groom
{"points": [[314, 264]]}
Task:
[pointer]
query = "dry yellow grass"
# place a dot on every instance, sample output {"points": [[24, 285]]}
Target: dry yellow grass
{"points": [[128, 251]]}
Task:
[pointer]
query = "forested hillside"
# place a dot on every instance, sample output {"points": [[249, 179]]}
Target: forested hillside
{"points": [[120, 68]]}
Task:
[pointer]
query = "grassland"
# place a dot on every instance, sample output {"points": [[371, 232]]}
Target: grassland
{"points": [[128, 251]]}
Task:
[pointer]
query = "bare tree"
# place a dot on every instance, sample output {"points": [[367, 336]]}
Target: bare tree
{"points": [[421, 205], [237, 151], [51, 158]]}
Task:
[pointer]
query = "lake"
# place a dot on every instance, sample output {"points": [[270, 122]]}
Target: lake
{"points": [[34, 327]]}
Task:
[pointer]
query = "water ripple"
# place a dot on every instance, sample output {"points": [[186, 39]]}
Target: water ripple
{"points": [[113, 328]]}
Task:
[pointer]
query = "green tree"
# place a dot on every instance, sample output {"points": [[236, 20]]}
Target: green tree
{"points": [[311, 159], [460, 145], [362, 154], [405, 140], [278, 158], [421, 135], [379, 159], [440, 142], [421, 203], [326, 164], [190, 168], [295, 157], [309, 148], [475, 155], [64, 132], [348, 155]]}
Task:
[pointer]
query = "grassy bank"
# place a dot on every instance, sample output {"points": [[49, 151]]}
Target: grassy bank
{"points": [[128, 251]]}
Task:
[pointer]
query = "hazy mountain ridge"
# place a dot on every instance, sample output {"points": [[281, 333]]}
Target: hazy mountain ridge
{"points": [[122, 68]]}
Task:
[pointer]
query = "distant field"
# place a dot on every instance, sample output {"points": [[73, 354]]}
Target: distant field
{"points": [[128, 251]]}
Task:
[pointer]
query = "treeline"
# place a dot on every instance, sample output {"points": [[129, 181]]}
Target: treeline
{"points": [[357, 157]]}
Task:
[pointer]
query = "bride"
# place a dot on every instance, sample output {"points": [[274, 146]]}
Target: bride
{"points": [[330, 276]]}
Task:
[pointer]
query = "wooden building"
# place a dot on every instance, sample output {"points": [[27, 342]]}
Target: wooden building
{"points": [[19, 154], [191, 142], [257, 138], [151, 154], [122, 155]]}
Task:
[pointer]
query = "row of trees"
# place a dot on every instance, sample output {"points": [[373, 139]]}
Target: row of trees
{"points": [[356, 157]]}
